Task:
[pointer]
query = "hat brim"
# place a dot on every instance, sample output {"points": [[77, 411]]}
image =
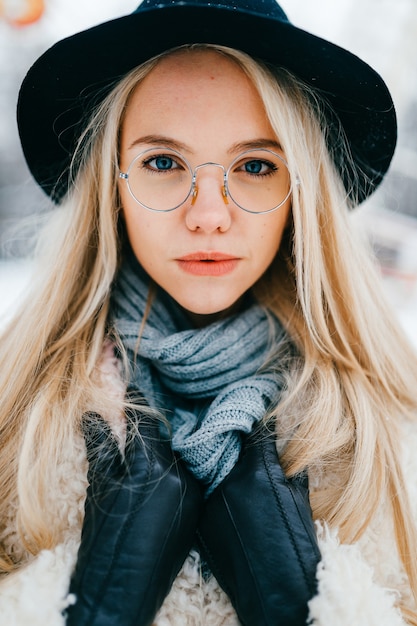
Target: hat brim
{"points": [[80, 70]]}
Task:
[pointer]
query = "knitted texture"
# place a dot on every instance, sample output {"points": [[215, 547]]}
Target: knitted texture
{"points": [[211, 382]]}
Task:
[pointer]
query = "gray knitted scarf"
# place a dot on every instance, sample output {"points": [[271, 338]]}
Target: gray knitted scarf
{"points": [[209, 382]]}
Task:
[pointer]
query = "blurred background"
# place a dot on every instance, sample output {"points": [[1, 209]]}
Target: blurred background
{"points": [[381, 32]]}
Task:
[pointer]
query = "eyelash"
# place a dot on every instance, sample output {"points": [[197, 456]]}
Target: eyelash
{"points": [[176, 165], [146, 164], [270, 171]]}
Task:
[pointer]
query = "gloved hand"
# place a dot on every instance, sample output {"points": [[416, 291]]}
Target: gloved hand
{"points": [[141, 514], [258, 537]]}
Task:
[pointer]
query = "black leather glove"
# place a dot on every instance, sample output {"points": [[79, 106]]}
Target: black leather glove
{"points": [[258, 538], [141, 514]]}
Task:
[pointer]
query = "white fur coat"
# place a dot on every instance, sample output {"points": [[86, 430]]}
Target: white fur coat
{"points": [[358, 585]]}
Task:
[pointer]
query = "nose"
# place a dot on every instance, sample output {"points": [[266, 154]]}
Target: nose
{"points": [[209, 208]]}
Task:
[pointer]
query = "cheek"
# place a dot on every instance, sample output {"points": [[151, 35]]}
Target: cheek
{"points": [[270, 236], [149, 235], [137, 225]]}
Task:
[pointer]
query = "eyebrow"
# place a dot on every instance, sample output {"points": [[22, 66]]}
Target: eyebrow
{"points": [[169, 142], [254, 144], [159, 140]]}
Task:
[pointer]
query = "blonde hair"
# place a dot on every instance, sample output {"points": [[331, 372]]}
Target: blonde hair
{"points": [[352, 383]]}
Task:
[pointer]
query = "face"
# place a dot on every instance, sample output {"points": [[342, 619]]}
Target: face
{"points": [[208, 252]]}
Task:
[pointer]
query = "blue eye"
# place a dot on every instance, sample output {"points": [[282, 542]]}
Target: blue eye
{"points": [[162, 162], [253, 167], [259, 167]]}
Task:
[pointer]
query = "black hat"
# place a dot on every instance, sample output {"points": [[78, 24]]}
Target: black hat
{"points": [[78, 72]]}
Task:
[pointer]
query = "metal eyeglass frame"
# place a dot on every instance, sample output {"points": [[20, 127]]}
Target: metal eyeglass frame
{"points": [[194, 188]]}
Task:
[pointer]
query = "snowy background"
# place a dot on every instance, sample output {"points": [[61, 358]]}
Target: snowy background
{"points": [[382, 32]]}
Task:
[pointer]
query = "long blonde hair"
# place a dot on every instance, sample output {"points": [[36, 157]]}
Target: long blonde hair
{"points": [[353, 382]]}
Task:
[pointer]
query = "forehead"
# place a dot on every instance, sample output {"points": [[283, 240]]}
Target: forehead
{"points": [[183, 67], [193, 93]]}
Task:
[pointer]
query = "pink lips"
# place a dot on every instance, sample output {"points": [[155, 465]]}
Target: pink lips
{"points": [[208, 263]]}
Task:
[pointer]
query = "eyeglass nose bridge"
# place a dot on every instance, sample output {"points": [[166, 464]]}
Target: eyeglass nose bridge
{"points": [[194, 187]]}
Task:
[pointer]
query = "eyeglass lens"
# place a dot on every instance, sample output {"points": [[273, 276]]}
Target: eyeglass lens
{"points": [[257, 181]]}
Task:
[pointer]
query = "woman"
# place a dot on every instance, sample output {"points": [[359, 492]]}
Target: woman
{"points": [[204, 302]]}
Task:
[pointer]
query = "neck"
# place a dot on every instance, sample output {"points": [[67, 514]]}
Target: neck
{"points": [[200, 320]]}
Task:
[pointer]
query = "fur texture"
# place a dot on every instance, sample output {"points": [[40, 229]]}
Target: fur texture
{"points": [[357, 584]]}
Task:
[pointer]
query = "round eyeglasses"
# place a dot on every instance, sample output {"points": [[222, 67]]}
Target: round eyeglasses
{"points": [[161, 179]]}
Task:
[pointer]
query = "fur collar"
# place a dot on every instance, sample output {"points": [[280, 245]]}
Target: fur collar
{"points": [[357, 584]]}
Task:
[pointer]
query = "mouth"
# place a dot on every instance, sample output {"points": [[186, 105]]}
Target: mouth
{"points": [[208, 263]]}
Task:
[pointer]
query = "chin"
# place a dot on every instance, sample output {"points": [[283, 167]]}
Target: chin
{"points": [[203, 315]]}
